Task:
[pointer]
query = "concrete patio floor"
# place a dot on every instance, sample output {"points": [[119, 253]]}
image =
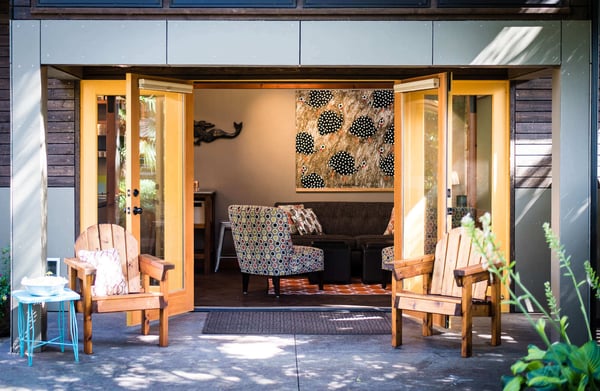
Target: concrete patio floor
{"points": [[125, 360]]}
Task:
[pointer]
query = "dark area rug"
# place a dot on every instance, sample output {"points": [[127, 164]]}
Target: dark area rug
{"points": [[297, 322]]}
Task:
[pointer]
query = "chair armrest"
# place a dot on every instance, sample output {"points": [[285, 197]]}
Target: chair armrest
{"points": [[475, 272], [154, 266], [413, 267], [82, 268]]}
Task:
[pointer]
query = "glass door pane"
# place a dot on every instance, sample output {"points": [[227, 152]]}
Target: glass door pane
{"points": [[147, 197], [422, 127], [151, 174], [469, 152], [111, 159]]}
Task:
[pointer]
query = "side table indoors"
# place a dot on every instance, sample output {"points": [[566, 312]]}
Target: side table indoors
{"points": [[27, 322]]}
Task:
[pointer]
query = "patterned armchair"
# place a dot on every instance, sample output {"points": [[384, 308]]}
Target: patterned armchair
{"points": [[263, 243]]}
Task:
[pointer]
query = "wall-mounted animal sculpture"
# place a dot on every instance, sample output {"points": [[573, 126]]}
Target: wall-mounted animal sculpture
{"points": [[206, 132]]}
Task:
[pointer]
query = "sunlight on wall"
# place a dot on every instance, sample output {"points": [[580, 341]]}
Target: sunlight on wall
{"points": [[512, 45]]}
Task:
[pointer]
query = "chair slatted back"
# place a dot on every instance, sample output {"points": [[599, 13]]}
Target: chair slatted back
{"points": [[454, 251], [107, 236]]}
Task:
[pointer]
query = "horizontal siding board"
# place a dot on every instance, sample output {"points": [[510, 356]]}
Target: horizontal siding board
{"points": [[535, 160], [59, 181], [61, 160], [531, 105], [61, 127], [62, 148], [61, 115], [60, 138], [534, 127], [532, 94], [535, 171], [533, 116], [533, 183], [533, 150]]}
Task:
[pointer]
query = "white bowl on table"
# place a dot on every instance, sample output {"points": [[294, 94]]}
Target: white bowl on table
{"points": [[44, 286]]}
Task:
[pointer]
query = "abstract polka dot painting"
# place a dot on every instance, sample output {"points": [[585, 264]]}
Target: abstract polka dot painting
{"points": [[344, 139]]}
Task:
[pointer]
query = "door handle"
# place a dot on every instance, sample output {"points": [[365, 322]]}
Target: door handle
{"points": [[137, 210]]}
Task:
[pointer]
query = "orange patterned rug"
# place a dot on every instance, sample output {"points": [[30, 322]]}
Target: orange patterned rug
{"points": [[301, 286]]}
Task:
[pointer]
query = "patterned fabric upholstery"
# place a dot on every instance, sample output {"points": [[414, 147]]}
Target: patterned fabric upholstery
{"points": [[387, 258], [263, 243]]}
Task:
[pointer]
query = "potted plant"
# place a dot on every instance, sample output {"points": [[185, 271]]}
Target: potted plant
{"points": [[558, 365], [5, 292]]}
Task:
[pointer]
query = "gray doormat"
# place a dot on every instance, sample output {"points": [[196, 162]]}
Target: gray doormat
{"points": [[297, 322]]}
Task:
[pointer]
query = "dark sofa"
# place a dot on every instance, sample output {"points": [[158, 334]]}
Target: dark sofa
{"points": [[352, 238]]}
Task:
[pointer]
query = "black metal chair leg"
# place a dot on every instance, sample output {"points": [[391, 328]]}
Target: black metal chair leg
{"points": [[276, 285], [245, 280]]}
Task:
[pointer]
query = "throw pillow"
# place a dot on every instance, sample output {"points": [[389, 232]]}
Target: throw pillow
{"points": [[109, 275], [390, 227], [307, 222], [288, 210]]}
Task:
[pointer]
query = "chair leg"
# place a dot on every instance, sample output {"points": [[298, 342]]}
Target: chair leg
{"points": [[87, 315], [466, 348], [320, 280], [276, 285], [385, 277], [163, 328], [245, 280], [495, 310], [427, 325], [145, 324], [396, 327]]}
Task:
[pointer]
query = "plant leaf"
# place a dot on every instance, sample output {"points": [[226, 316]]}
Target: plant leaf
{"points": [[512, 383], [534, 353], [587, 359]]}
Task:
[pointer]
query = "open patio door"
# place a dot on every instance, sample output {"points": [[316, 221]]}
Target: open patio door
{"points": [[420, 163], [137, 168], [452, 159]]}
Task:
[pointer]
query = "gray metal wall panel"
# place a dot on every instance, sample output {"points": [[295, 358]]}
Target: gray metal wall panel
{"points": [[571, 171], [496, 43], [366, 43], [272, 43], [28, 155], [532, 255], [61, 223], [99, 42]]}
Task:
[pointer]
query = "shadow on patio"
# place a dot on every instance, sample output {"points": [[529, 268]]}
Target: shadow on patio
{"points": [[125, 360]]}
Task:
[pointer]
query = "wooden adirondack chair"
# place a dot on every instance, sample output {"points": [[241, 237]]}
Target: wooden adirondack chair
{"points": [[137, 270], [454, 284]]}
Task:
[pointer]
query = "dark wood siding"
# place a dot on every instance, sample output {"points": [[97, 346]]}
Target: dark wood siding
{"points": [[532, 133], [61, 137]]}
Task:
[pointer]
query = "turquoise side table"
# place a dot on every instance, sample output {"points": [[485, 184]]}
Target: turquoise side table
{"points": [[27, 324]]}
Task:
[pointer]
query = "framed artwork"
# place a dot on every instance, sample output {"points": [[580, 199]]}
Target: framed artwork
{"points": [[345, 140]]}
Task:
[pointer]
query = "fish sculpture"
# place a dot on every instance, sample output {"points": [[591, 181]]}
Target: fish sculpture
{"points": [[206, 132]]}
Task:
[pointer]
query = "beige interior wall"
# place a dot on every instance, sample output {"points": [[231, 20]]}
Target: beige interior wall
{"points": [[258, 166]]}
